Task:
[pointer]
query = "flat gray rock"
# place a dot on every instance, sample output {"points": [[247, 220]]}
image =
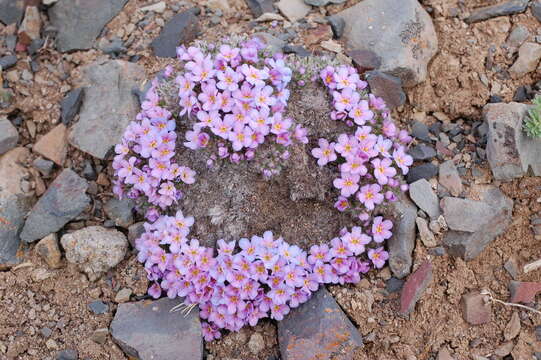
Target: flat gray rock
{"points": [[506, 8], [64, 200], [318, 329], [108, 106], [8, 136], [510, 152], [14, 203], [181, 29], [401, 244], [11, 11], [403, 36], [79, 23], [147, 330], [474, 224], [424, 197]]}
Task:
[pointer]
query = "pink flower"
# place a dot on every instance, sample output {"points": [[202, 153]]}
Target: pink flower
{"points": [[383, 170], [263, 97], [403, 160], [327, 75], [346, 145], [345, 100], [280, 125], [356, 240], [354, 165], [254, 76], [346, 80], [324, 153], [383, 146], [228, 79], [370, 195], [342, 204], [348, 184], [187, 175], [378, 257], [361, 113], [381, 229]]}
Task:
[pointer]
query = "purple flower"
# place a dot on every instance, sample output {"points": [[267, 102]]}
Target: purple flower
{"points": [[383, 170], [325, 153], [381, 229], [348, 184], [378, 257], [370, 195], [356, 240]]}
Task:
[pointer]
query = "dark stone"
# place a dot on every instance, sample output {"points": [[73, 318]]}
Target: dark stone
{"points": [[435, 128], [8, 61], [11, 11], [318, 328], [521, 94], [43, 166], [120, 211], [71, 104], [77, 30], [98, 307], [88, 171], [67, 355], [424, 171], [35, 45], [510, 7], [115, 47], [437, 251], [364, 60], [181, 29], [536, 9], [495, 99], [296, 49], [63, 201], [11, 42], [394, 285], [419, 131], [259, 7], [46, 332], [388, 87], [422, 152], [148, 330], [338, 25], [538, 333]]}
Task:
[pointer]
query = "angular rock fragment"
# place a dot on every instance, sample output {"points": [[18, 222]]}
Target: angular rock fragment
{"points": [[148, 330], [425, 198], [8, 136], [476, 310], [474, 224], [403, 37], [181, 29], [449, 178], [414, 287], [524, 292], [401, 244], [318, 329], [53, 145], [506, 8], [64, 200]]}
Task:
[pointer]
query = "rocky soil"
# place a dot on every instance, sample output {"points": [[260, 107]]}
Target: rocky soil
{"points": [[459, 74]]}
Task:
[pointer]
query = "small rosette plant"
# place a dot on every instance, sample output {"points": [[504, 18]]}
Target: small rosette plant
{"points": [[230, 100]]}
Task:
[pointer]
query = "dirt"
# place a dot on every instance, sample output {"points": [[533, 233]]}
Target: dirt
{"points": [[471, 65]]}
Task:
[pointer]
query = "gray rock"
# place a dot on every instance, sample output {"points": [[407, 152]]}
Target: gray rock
{"points": [[273, 43], [474, 224], [449, 178], [299, 50], [69, 354], [120, 211], [388, 87], [320, 327], [148, 330], [181, 29], [98, 307], [135, 231], [108, 106], [529, 54], [63, 201], [293, 10], [510, 152], [394, 285], [43, 166], [401, 244], [536, 9], [11, 11], [337, 26], [419, 131], [95, 249], [323, 2], [71, 104], [8, 61], [427, 237], [424, 197], [79, 23], [423, 171], [14, 203], [259, 7], [422, 152], [8, 136], [402, 36], [503, 9], [518, 36]]}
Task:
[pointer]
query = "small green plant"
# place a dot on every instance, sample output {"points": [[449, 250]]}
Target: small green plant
{"points": [[533, 121]]}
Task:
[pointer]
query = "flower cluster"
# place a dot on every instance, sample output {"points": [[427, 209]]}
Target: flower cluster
{"points": [[371, 158], [144, 165], [253, 278], [238, 96]]}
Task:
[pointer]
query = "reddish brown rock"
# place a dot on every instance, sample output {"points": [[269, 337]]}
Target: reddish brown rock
{"points": [[53, 145], [365, 60], [388, 87], [31, 26], [414, 287], [318, 329], [476, 310], [524, 292]]}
